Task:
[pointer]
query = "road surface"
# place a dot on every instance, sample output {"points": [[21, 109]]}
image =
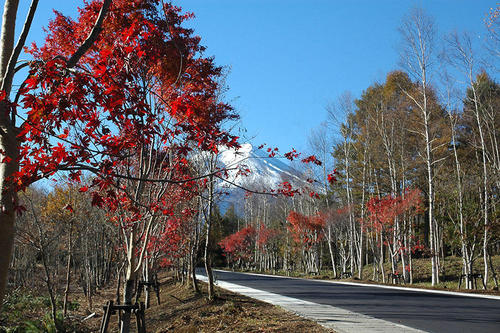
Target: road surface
{"points": [[423, 311]]}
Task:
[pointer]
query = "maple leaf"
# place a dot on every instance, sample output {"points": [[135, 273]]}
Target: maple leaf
{"points": [[83, 189], [312, 159], [65, 134]]}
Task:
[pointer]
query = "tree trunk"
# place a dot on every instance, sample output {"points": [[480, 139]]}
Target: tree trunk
{"points": [[461, 222], [68, 269], [207, 254], [48, 280], [332, 255], [193, 272], [127, 300], [418, 32], [382, 270], [9, 145], [147, 279], [130, 279], [50, 289], [194, 251], [208, 269], [485, 190]]}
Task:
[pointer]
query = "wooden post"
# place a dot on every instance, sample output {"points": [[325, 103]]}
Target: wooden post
{"points": [[108, 308], [137, 309], [157, 288], [140, 318], [139, 291], [154, 283]]}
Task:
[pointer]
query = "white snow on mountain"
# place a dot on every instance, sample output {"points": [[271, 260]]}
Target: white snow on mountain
{"points": [[265, 173]]}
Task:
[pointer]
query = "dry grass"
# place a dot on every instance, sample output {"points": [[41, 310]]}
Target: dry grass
{"points": [[181, 310], [184, 311]]}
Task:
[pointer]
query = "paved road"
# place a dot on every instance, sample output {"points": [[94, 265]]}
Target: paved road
{"points": [[424, 311]]}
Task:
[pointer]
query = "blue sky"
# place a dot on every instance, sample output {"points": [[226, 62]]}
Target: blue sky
{"points": [[290, 58]]}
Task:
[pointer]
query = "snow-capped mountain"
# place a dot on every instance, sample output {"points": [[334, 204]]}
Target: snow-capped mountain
{"points": [[265, 173], [252, 169]]}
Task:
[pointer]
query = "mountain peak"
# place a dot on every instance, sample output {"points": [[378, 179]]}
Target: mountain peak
{"points": [[266, 172]]}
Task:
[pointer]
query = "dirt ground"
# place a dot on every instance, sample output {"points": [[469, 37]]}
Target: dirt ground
{"points": [[181, 310]]}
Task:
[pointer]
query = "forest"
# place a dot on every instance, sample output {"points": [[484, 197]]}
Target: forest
{"points": [[127, 122], [418, 172]]}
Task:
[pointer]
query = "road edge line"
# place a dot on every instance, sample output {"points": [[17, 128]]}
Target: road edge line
{"points": [[442, 292], [364, 322]]}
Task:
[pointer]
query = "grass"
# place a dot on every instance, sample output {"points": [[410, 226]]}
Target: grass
{"points": [[23, 311]]}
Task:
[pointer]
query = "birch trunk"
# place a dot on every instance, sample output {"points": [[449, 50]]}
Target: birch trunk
{"points": [[485, 183], [130, 281], [418, 33], [332, 255], [207, 254]]}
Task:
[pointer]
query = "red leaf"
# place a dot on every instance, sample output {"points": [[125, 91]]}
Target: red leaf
{"points": [[65, 134], [69, 208]]}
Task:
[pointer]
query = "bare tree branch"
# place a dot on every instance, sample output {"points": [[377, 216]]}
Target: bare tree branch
{"points": [[9, 74], [92, 37]]}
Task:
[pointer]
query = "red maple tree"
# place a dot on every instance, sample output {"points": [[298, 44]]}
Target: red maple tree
{"points": [[139, 88], [239, 247], [307, 231], [123, 84]]}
